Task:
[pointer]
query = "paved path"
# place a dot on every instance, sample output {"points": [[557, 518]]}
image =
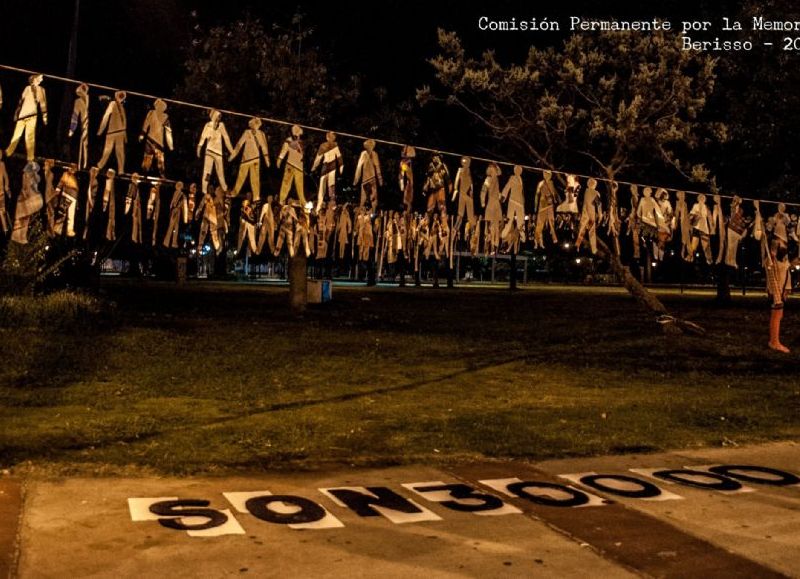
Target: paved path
{"points": [[606, 516]]}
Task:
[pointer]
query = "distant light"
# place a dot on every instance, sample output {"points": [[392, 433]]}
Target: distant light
{"points": [[578, 260], [654, 264], [672, 252], [566, 246]]}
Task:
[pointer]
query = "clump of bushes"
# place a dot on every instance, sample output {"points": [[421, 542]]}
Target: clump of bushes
{"points": [[63, 310]]}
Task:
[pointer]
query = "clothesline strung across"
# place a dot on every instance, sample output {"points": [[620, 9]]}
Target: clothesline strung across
{"points": [[375, 139]]}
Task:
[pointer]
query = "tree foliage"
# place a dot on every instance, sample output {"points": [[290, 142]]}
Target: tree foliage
{"points": [[617, 99]]}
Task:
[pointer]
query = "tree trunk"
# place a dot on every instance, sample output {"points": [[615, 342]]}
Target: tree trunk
{"points": [[298, 283]]}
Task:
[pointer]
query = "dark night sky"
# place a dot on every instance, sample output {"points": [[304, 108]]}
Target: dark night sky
{"points": [[139, 44]]}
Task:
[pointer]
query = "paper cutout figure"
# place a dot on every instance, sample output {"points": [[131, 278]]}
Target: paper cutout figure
{"points": [[490, 199], [406, 176], [365, 238], [612, 215], [80, 117], [292, 151], [133, 206], [758, 222], [591, 213], [567, 211], [682, 222], [665, 221], [66, 202], [634, 221], [700, 219], [154, 210], [717, 217], [514, 192], [344, 227], [302, 232], [330, 157], [368, 173], [437, 185], [323, 227], [736, 231], [115, 126], [91, 196], [213, 136], [32, 102], [5, 193], [50, 196], [157, 136], [253, 146], [778, 224], [649, 215], [546, 198], [178, 213], [29, 202], [266, 227], [208, 209], [287, 219], [463, 188], [247, 228], [110, 205]]}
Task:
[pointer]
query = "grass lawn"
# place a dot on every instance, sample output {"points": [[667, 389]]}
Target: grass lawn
{"points": [[216, 377]]}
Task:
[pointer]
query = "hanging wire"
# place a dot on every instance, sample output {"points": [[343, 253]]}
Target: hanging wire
{"points": [[377, 140]]}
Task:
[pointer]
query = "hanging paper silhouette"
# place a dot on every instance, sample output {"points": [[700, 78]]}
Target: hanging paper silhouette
{"points": [[406, 176], [493, 213], [736, 231], [253, 146], [330, 158], [80, 118], [5, 194], [29, 202], [515, 214], [133, 207], [546, 198], [266, 227], [567, 210], [247, 228], [110, 205], [287, 218], [292, 152], [700, 219], [591, 213], [91, 196], [153, 210], [66, 202], [463, 188], [437, 185], [344, 227], [214, 135], [32, 103], [157, 137], [115, 126], [178, 213], [368, 174], [682, 222]]}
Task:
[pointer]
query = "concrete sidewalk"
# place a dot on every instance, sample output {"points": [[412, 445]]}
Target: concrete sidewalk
{"points": [[492, 519]]}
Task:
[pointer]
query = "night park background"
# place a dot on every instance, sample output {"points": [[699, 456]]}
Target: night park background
{"points": [[137, 373]]}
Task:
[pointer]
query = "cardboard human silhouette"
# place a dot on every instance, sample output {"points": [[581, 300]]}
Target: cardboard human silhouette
{"points": [[591, 213], [344, 228], [490, 200], [666, 219], [115, 125], [329, 161], [515, 193], [463, 189], [5, 194], [178, 212], [437, 185], [778, 224], [157, 137], [153, 211], [302, 233], [287, 219], [253, 147], [29, 202], [649, 215], [66, 202], [247, 228], [214, 136], [365, 237], [50, 196], [110, 205], [207, 208], [368, 175], [80, 119], [266, 227], [91, 196], [613, 223], [133, 207], [406, 176], [32, 103], [292, 153], [736, 230], [567, 211], [682, 222], [545, 200], [700, 219]]}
